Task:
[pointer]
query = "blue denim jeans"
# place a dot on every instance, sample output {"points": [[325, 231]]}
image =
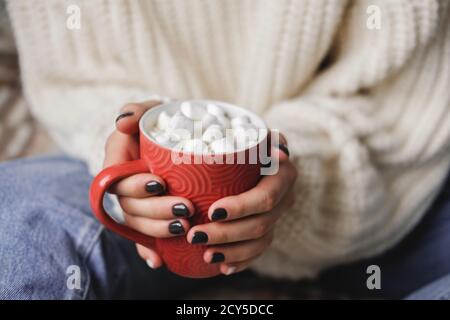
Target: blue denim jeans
{"points": [[421, 259], [49, 240], [48, 236]]}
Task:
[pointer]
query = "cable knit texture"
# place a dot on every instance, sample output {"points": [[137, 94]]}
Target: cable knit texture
{"points": [[366, 111]]}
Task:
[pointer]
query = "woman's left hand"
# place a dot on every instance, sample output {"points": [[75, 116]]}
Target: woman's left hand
{"points": [[242, 225]]}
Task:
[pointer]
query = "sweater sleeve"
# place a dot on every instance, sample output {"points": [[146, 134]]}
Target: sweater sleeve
{"points": [[82, 134], [370, 137]]}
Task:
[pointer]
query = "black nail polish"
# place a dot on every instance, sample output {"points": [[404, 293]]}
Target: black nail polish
{"points": [[180, 210], [219, 214], [176, 227], [284, 148], [217, 257], [199, 237], [123, 115], [154, 187]]}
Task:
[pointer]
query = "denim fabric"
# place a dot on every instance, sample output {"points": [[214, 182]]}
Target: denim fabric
{"points": [[46, 226], [419, 259], [437, 290]]}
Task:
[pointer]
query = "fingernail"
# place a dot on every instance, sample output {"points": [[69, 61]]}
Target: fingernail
{"points": [[150, 263], [176, 227], [180, 210], [199, 237], [154, 187], [123, 115], [217, 257], [284, 148], [219, 214], [230, 270]]}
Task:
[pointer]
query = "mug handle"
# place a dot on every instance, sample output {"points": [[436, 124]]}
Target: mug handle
{"points": [[101, 184]]}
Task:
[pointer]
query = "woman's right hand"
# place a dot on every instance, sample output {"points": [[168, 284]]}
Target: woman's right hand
{"points": [[141, 196]]}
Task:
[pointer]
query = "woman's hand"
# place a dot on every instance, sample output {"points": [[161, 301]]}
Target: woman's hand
{"points": [[141, 196], [242, 225]]}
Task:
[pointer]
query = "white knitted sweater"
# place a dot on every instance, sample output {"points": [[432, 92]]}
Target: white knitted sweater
{"points": [[366, 111]]}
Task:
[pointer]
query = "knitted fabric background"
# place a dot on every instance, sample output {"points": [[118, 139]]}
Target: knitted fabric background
{"points": [[364, 128]]}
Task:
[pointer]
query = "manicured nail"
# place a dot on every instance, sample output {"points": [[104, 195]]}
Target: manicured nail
{"points": [[217, 257], [230, 270], [176, 227], [199, 237], [219, 214], [180, 210], [284, 148], [150, 263], [123, 115], [154, 187]]}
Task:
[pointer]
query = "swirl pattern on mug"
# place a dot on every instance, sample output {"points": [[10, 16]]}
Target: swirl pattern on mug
{"points": [[202, 184]]}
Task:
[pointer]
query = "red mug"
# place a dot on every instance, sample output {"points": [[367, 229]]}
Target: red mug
{"points": [[202, 179]]}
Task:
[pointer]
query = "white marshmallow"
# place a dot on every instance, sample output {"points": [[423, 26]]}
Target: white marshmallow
{"points": [[218, 134], [195, 146], [248, 132], [163, 139], [177, 135], [223, 121], [212, 133], [222, 146], [215, 110], [180, 127], [245, 136], [163, 120], [239, 121], [208, 120], [192, 111]]}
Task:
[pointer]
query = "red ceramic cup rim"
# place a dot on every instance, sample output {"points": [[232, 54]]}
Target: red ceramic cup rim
{"points": [[228, 107]]}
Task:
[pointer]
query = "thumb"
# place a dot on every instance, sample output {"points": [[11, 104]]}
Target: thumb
{"points": [[150, 256], [128, 120], [279, 146]]}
